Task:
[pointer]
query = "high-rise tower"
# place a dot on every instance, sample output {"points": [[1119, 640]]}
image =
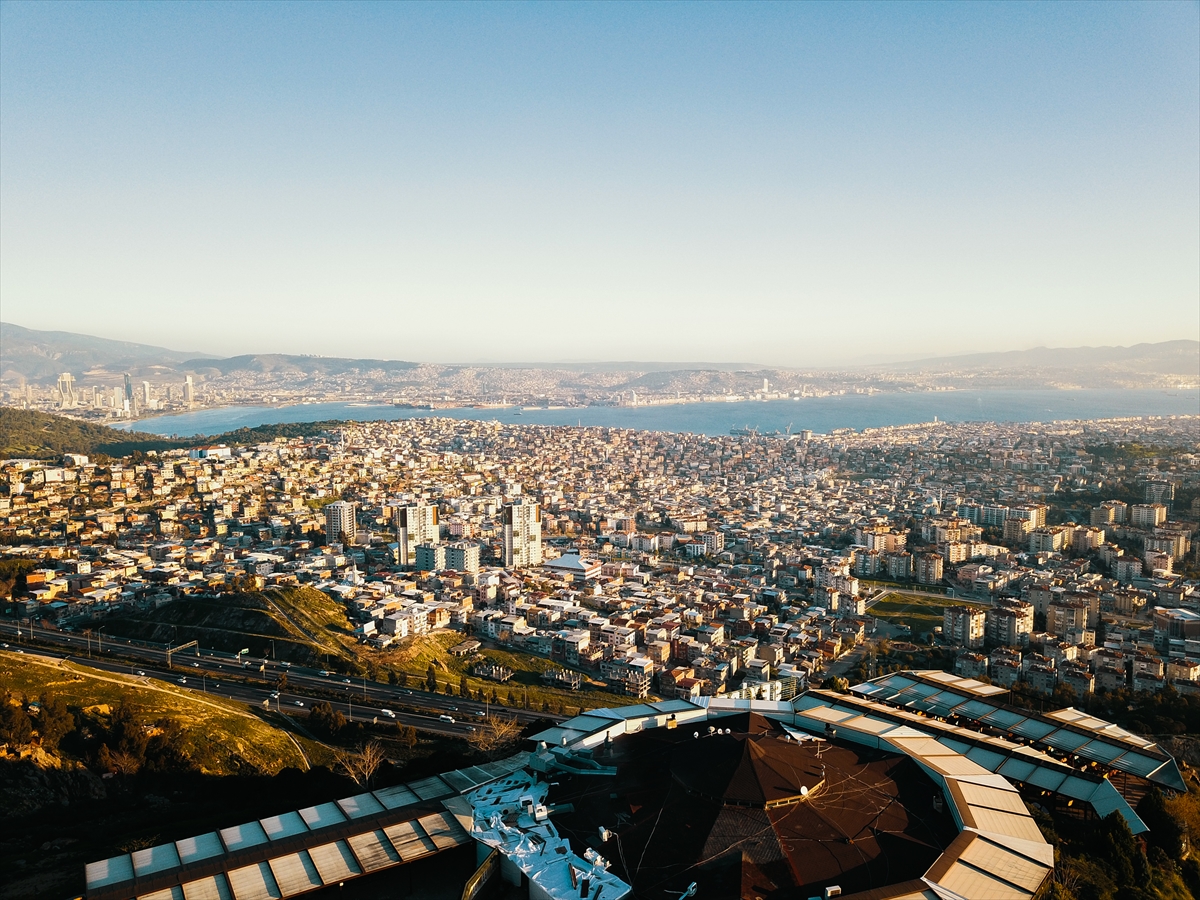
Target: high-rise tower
{"points": [[340, 525], [522, 534], [415, 525]]}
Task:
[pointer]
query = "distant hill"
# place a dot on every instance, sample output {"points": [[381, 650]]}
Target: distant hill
{"points": [[279, 364], [40, 356], [1165, 358], [27, 434]]}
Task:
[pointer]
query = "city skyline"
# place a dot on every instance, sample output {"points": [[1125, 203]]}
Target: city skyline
{"points": [[794, 186]]}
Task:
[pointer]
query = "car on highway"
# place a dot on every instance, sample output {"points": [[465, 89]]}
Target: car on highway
{"points": [[183, 680], [286, 665], [388, 713], [299, 702], [275, 695], [445, 718], [324, 674], [481, 713], [195, 665], [141, 674]]}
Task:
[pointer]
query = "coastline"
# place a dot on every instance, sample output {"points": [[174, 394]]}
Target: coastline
{"points": [[857, 411]]}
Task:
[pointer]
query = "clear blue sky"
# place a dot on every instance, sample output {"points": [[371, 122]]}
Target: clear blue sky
{"points": [[787, 183]]}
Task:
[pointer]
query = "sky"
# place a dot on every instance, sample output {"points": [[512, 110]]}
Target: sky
{"points": [[790, 184]]}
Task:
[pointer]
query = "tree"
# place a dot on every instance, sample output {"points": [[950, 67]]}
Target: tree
{"points": [[362, 766], [125, 732], [464, 689], [55, 721], [15, 727], [431, 683], [326, 720], [408, 736], [496, 736]]}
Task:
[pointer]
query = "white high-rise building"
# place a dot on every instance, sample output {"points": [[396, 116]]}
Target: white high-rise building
{"points": [[189, 390], [415, 525], [522, 534], [66, 390], [340, 526]]}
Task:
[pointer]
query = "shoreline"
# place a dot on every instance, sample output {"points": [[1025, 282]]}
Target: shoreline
{"points": [[822, 414]]}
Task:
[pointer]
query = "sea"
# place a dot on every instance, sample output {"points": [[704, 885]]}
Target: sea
{"points": [[818, 414]]}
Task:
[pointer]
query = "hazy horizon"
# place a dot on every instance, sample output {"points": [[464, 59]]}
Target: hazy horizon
{"points": [[802, 185]]}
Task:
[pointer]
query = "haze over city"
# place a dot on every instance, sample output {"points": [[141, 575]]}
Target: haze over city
{"points": [[793, 185]]}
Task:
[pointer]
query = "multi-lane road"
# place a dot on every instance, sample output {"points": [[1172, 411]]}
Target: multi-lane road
{"points": [[256, 681]]}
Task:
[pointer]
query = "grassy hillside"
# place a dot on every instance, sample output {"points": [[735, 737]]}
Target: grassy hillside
{"points": [[304, 626], [415, 655], [36, 435], [30, 434], [221, 736]]}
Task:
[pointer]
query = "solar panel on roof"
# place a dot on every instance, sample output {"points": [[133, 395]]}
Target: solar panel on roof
{"points": [[1137, 763], [1043, 777], [295, 874], [322, 815], [1003, 718], [175, 892], [1101, 751], [214, 887], [202, 846], [154, 859], [254, 882], [373, 850], [459, 781], [1033, 729], [1062, 739], [410, 840], [360, 805], [973, 709], [1017, 769], [430, 788], [109, 871], [395, 797], [334, 861], [443, 829], [285, 825], [238, 837], [989, 759]]}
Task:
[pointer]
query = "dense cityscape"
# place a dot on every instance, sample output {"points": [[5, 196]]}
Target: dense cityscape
{"points": [[589, 451], [673, 564]]}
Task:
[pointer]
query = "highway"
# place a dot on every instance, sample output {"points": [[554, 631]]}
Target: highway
{"points": [[255, 681]]}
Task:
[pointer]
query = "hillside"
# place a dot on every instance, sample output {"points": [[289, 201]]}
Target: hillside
{"points": [[296, 366], [221, 737], [300, 625], [40, 356], [28, 434], [1165, 358], [37, 435]]}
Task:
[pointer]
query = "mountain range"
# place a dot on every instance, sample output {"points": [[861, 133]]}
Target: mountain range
{"points": [[36, 356]]}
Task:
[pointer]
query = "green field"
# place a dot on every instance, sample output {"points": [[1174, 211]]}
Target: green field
{"points": [[415, 655], [921, 614], [222, 736]]}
